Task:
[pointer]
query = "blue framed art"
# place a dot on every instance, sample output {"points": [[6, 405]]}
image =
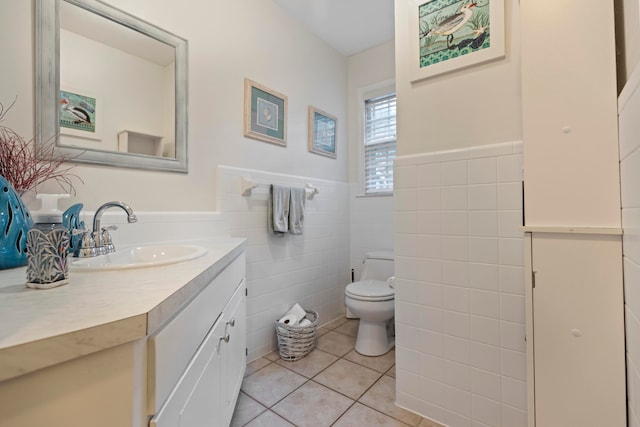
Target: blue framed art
{"points": [[322, 133], [265, 114]]}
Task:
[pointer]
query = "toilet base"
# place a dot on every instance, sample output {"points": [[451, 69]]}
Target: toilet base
{"points": [[373, 339]]}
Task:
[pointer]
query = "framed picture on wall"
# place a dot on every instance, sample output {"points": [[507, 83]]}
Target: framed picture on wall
{"points": [[447, 35], [265, 113], [79, 113], [322, 133]]}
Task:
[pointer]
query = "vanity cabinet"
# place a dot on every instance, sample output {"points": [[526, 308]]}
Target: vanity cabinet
{"points": [[184, 368], [207, 391]]}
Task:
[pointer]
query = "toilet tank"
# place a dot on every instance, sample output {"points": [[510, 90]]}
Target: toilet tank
{"points": [[378, 265]]}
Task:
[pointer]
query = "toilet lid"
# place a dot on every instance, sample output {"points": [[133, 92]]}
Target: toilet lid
{"points": [[370, 290]]}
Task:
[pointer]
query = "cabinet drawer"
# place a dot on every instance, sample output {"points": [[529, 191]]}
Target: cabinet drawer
{"points": [[171, 349]]}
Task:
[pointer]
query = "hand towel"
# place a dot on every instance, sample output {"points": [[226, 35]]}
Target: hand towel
{"points": [[278, 209], [296, 210]]}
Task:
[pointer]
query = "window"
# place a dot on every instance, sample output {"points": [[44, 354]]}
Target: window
{"points": [[379, 144]]}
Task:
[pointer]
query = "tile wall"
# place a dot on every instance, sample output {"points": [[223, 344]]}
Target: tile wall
{"points": [[371, 226], [460, 305], [629, 128], [311, 269]]}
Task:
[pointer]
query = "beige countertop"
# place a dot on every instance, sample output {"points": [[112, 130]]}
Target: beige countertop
{"points": [[97, 310]]}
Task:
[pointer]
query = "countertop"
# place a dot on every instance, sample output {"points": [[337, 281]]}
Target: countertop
{"points": [[97, 310]]}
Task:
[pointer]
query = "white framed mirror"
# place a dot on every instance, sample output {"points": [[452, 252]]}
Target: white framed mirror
{"points": [[111, 89]]}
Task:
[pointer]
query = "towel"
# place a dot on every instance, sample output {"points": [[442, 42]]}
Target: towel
{"points": [[278, 210], [296, 210]]}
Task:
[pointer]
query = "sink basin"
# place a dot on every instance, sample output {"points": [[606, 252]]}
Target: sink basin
{"points": [[139, 257]]}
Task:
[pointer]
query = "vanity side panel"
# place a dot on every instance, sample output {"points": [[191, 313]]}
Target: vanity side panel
{"points": [[103, 389]]}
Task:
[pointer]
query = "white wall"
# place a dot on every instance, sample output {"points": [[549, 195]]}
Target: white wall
{"points": [[311, 269], [629, 109], [371, 227], [475, 106], [227, 42], [460, 313]]}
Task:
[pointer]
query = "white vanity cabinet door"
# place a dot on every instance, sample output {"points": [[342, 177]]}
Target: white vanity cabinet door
{"points": [[233, 352], [206, 394]]}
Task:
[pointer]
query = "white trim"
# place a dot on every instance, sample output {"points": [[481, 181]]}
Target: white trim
{"points": [[573, 230]]}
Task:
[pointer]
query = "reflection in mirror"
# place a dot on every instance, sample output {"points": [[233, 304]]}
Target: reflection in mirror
{"points": [[112, 88]]}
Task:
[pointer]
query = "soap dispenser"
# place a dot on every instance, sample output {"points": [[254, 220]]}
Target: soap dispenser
{"points": [[47, 246]]}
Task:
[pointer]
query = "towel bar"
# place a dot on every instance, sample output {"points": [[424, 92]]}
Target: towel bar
{"points": [[247, 185]]}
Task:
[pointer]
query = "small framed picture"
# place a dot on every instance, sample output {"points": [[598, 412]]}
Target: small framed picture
{"points": [[322, 133], [265, 113], [79, 114]]}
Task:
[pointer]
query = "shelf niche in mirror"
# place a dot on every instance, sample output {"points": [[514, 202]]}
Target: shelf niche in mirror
{"points": [[101, 71]]}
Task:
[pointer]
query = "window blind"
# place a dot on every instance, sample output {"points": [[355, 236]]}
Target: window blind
{"points": [[379, 144]]}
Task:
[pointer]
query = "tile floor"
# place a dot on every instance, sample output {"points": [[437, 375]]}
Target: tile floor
{"points": [[331, 386]]}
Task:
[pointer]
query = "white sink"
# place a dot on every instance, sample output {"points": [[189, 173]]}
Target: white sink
{"points": [[139, 257]]}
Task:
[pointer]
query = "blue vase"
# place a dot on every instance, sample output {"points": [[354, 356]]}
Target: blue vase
{"points": [[15, 223]]}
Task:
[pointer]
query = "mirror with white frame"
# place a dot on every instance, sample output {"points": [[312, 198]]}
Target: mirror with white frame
{"points": [[111, 89]]}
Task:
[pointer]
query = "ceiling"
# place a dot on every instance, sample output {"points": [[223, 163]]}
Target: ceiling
{"points": [[349, 26]]}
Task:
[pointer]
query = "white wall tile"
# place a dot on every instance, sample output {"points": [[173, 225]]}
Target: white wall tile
{"points": [[512, 336], [486, 411], [483, 197], [457, 401], [470, 255], [512, 280], [486, 384], [408, 358], [510, 196], [456, 375], [484, 303], [485, 357], [430, 270], [484, 276], [405, 177], [455, 298], [429, 199], [514, 364], [429, 175], [510, 168], [512, 308], [456, 324], [455, 248], [483, 250], [484, 224], [454, 198], [429, 246], [485, 330], [455, 223], [514, 393], [454, 173], [455, 273], [456, 349], [405, 222], [511, 252], [482, 171]]}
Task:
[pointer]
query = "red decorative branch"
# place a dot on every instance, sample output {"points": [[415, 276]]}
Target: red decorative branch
{"points": [[26, 164]]}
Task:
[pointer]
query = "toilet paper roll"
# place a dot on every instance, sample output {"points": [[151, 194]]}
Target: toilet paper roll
{"points": [[296, 311], [304, 322], [288, 319]]}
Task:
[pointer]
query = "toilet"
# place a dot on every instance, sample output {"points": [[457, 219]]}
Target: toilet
{"points": [[371, 299]]}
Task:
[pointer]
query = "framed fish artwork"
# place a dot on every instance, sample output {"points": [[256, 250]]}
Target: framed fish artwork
{"points": [[447, 35], [322, 132]]}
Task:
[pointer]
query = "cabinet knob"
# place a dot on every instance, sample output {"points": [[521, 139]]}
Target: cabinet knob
{"points": [[232, 322]]}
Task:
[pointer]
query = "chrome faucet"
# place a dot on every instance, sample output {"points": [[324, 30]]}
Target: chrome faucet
{"points": [[98, 241]]}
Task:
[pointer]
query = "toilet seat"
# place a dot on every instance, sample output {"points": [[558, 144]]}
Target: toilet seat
{"points": [[370, 290]]}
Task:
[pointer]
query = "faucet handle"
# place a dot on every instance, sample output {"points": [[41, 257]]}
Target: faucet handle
{"points": [[107, 242], [87, 246]]}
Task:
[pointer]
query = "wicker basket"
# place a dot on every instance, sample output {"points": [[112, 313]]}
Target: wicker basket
{"points": [[295, 342]]}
